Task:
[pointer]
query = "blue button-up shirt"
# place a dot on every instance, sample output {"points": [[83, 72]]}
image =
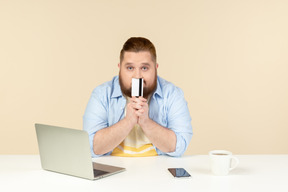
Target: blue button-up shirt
{"points": [[167, 107]]}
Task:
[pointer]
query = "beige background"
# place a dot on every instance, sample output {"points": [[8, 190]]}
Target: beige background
{"points": [[229, 57]]}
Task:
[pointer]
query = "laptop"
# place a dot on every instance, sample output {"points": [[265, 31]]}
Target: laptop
{"points": [[67, 151]]}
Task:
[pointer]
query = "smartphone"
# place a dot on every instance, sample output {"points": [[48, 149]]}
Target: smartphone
{"points": [[179, 172]]}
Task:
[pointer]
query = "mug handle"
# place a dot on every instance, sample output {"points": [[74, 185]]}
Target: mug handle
{"points": [[236, 163]]}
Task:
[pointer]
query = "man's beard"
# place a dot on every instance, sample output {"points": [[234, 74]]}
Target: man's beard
{"points": [[146, 90]]}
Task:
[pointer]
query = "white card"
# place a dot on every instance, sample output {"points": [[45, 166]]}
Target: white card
{"points": [[137, 87]]}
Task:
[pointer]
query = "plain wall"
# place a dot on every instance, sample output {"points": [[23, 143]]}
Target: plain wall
{"points": [[228, 56]]}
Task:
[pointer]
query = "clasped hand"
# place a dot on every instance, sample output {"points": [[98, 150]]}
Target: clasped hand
{"points": [[137, 110]]}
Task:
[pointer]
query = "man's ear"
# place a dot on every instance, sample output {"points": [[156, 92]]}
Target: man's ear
{"points": [[119, 65], [157, 65]]}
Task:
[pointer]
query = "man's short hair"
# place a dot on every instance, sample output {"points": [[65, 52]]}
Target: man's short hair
{"points": [[137, 44]]}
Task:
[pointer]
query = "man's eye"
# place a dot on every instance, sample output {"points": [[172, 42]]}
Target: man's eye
{"points": [[144, 68], [130, 68]]}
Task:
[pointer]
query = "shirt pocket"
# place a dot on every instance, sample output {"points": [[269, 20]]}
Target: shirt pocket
{"points": [[159, 115], [164, 117]]}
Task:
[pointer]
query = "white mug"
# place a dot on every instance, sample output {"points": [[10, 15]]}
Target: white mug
{"points": [[221, 162]]}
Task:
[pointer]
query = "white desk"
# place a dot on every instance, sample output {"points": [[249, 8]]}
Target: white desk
{"points": [[254, 173]]}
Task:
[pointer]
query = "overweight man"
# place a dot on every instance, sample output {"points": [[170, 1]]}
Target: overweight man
{"points": [[119, 124]]}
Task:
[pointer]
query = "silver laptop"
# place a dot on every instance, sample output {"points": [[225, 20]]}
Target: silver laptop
{"points": [[67, 151]]}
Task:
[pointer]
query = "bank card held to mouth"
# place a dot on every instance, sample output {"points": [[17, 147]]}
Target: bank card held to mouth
{"points": [[137, 87]]}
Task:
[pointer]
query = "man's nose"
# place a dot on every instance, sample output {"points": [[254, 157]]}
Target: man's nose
{"points": [[137, 74]]}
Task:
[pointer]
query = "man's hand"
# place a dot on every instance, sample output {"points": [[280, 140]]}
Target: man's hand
{"points": [[162, 137], [141, 109], [131, 110]]}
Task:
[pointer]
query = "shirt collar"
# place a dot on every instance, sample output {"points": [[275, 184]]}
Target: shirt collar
{"points": [[118, 93], [116, 87], [158, 90]]}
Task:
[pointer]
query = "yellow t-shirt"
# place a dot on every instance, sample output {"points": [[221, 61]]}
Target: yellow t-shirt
{"points": [[136, 144]]}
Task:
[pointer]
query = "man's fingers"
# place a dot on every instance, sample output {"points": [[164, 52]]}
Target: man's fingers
{"points": [[138, 100], [139, 112], [137, 106]]}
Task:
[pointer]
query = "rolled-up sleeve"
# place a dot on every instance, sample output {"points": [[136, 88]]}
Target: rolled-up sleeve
{"points": [[178, 120], [95, 116]]}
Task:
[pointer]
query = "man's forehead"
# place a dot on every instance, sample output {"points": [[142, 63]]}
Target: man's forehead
{"points": [[138, 53], [141, 56]]}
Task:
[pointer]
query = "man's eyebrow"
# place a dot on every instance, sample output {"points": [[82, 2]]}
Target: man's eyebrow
{"points": [[128, 64], [147, 64]]}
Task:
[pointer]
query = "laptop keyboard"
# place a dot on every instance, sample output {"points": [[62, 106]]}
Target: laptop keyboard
{"points": [[99, 172]]}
